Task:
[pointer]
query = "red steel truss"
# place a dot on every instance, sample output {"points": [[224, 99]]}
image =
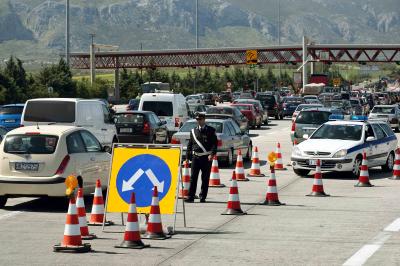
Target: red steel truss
{"points": [[379, 53]]}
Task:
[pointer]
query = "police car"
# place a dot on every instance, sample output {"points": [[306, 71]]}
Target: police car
{"points": [[339, 144]]}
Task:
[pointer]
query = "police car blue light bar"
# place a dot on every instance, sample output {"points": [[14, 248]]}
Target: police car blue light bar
{"points": [[335, 117], [359, 118]]}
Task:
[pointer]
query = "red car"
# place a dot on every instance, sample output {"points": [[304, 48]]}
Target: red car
{"points": [[248, 110]]}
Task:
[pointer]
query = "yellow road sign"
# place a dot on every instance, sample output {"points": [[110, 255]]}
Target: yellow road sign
{"points": [[139, 170], [337, 81], [251, 57]]}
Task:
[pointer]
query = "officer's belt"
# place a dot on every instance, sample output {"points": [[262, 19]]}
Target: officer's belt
{"points": [[201, 153]]}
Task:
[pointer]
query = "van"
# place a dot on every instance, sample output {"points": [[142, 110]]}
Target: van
{"points": [[92, 115], [170, 107]]}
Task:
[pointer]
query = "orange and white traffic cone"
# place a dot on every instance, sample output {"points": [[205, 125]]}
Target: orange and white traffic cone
{"points": [[271, 197], [239, 169], [233, 207], [318, 187], [80, 206], [132, 234], [255, 165], [363, 179], [185, 182], [154, 225], [396, 166], [279, 162], [72, 241], [214, 175], [97, 214]]}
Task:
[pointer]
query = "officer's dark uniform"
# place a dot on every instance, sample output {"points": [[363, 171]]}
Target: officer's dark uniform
{"points": [[199, 158]]}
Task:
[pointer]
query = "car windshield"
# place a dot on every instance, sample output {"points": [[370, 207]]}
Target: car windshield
{"points": [[383, 110], [11, 110], [129, 118], [225, 111], [159, 108], [30, 144], [188, 126], [305, 107], [336, 104], [343, 132], [243, 107], [313, 117]]}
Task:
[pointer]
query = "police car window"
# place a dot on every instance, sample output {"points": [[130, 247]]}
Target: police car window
{"points": [[380, 134], [231, 131], [388, 130], [342, 132], [236, 128]]}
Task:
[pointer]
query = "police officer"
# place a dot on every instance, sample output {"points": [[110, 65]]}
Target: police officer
{"points": [[201, 149]]}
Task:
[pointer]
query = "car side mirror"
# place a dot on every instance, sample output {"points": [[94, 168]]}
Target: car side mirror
{"points": [[306, 136], [369, 139], [107, 149]]}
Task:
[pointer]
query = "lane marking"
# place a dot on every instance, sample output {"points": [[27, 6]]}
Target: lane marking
{"points": [[393, 227], [366, 251], [9, 215]]}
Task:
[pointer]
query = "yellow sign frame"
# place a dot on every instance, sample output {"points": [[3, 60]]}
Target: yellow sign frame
{"points": [[170, 154]]}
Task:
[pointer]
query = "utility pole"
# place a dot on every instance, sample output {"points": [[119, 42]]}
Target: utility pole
{"points": [[67, 33], [279, 39], [197, 43], [92, 60], [141, 63], [305, 55]]}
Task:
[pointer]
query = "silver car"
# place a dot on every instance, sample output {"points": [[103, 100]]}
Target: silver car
{"points": [[230, 139], [387, 113]]}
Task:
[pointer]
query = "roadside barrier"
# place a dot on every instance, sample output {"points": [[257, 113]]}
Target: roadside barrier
{"points": [[233, 207]]}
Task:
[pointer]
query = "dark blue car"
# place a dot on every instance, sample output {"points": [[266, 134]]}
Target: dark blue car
{"points": [[10, 116], [289, 105]]}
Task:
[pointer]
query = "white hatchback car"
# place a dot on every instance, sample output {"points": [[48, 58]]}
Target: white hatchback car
{"points": [[35, 161], [340, 144]]}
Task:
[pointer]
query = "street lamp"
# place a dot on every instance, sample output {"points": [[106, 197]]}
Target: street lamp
{"points": [[67, 31]]}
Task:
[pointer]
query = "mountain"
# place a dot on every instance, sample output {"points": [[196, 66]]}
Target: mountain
{"points": [[34, 29]]}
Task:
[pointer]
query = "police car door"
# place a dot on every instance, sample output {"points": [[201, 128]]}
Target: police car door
{"points": [[371, 147], [383, 147]]}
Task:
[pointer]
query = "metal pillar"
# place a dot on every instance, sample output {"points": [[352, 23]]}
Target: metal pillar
{"points": [[92, 61], [305, 53], [116, 85], [67, 33]]}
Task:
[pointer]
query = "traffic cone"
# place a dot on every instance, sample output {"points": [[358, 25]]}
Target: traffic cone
{"points": [[233, 207], [239, 169], [363, 179], [295, 142], [80, 206], [318, 187], [72, 241], [154, 225], [185, 182], [214, 175], [396, 167], [271, 197], [97, 214], [255, 165], [132, 234], [279, 162]]}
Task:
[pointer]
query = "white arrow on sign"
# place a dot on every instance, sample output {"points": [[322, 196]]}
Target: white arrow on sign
{"points": [[128, 185], [154, 180]]}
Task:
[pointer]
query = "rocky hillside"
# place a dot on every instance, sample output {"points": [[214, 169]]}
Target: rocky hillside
{"points": [[35, 28]]}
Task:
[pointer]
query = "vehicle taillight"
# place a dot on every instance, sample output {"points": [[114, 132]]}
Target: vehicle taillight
{"points": [[293, 126], [146, 128], [177, 122], [219, 144], [175, 141], [63, 165]]}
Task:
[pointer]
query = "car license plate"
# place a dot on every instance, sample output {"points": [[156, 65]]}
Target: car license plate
{"points": [[312, 162], [9, 121], [27, 166], [125, 130]]}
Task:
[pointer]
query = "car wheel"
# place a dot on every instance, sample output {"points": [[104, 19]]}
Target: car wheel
{"points": [[301, 172], [397, 129], [259, 126], [388, 167], [281, 117], [357, 167], [249, 151], [277, 117], [3, 201], [229, 159]]}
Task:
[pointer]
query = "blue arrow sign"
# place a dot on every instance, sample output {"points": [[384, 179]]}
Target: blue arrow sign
{"points": [[140, 174]]}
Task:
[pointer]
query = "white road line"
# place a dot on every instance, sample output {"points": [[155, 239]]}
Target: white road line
{"points": [[364, 253], [9, 215], [393, 227]]}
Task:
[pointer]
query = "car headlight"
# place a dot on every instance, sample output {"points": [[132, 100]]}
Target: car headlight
{"points": [[297, 151], [340, 154]]}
